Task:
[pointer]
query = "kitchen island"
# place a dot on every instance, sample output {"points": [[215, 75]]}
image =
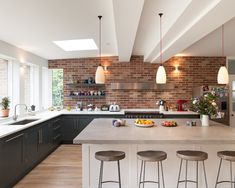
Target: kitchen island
{"points": [[101, 135]]}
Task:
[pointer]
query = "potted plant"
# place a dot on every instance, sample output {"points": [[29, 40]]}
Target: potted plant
{"points": [[206, 106], [5, 104]]}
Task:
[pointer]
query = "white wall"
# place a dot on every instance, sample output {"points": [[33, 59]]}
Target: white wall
{"points": [[18, 55]]}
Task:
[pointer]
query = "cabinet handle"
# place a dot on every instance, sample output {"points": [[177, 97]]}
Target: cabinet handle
{"points": [[56, 128], [41, 136], [55, 138], [14, 138]]}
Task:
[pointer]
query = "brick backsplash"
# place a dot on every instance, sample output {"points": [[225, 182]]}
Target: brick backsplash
{"points": [[192, 72]]}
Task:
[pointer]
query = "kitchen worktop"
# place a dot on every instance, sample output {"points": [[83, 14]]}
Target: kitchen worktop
{"points": [[101, 131], [6, 129]]}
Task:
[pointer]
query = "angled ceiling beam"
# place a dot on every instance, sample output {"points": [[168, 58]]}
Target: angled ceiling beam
{"points": [[126, 16], [198, 20]]}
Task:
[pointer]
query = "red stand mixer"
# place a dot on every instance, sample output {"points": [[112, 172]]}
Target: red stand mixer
{"points": [[181, 105]]}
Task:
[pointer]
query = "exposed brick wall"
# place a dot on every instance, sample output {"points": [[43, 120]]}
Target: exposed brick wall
{"points": [[193, 71], [3, 78]]}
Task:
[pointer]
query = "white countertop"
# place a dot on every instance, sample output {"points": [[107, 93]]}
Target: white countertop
{"points": [[101, 131], [6, 129]]}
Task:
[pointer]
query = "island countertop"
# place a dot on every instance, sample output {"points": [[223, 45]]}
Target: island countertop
{"points": [[101, 131]]}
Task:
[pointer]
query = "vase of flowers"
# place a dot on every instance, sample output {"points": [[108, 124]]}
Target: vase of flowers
{"points": [[5, 104], [206, 106]]}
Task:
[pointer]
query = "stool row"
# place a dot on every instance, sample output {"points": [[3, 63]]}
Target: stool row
{"points": [[158, 157]]}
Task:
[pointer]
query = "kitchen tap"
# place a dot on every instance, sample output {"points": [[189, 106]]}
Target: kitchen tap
{"points": [[16, 116]]}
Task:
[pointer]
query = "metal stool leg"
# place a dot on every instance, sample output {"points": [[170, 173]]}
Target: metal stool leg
{"points": [[186, 174], [197, 174], [119, 174], [163, 182], [217, 179], [141, 168], [158, 174], [144, 174], [231, 174], [204, 169], [101, 174], [181, 161]]}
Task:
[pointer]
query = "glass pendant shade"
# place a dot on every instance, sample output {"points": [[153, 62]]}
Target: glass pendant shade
{"points": [[223, 77], [161, 75], [99, 75]]}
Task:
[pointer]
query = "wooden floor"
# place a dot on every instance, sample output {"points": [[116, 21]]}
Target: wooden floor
{"points": [[63, 168]]}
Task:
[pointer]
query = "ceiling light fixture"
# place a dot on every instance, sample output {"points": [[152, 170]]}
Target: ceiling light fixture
{"points": [[223, 77], [161, 72], [99, 75], [76, 45]]}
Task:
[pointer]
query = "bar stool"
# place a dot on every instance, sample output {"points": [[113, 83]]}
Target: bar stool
{"points": [[109, 156], [191, 155], [151, 156], [228, 156]]}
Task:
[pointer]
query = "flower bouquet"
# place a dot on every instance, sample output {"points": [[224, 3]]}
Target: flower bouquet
{"points": [[206, 106]]}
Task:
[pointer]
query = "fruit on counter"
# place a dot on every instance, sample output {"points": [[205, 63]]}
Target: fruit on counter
{"points": [[169, 123], [144, 121]]}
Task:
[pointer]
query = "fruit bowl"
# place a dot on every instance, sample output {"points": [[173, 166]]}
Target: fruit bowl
{"points": [[144, 123], [169, 123]]}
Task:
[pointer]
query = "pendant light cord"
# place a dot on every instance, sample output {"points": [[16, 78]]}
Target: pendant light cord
{"points": [[222, 42], [100, 37], [160, 14]]}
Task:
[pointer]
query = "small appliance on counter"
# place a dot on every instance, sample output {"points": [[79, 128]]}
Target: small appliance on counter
{"points": [[161, 104], [114, 108], [181, 105], [104, 107]]}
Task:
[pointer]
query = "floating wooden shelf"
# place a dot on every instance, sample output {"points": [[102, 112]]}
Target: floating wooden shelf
{"points": [[87, 96], [85, 85]]}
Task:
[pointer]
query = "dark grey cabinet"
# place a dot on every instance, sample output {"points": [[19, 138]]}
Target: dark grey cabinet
{"points": [[22, 151], [13, 159], [56, 131], [72, 125], [44, 139], [31, 147]]}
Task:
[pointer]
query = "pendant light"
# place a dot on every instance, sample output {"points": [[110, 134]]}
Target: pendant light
{"points": [[99, 75], [161, 72], [223, 77]]}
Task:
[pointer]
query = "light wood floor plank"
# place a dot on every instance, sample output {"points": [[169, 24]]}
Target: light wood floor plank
{"points": [[63, 168]]}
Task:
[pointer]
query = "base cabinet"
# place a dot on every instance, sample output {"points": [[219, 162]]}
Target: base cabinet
{"points": [[22, 151], [72, 126], [13, 159]]}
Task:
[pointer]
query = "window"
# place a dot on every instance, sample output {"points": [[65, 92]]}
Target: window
{"points": [[25, 84], [57, 87], [4, 78], [46, 88], [29, 85]]}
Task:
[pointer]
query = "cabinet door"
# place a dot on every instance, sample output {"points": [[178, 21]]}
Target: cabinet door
{"points": [[56, 135], [44, 139], [31, 147], [12, 153], [81, 122], [72, 125], [67, 129]]}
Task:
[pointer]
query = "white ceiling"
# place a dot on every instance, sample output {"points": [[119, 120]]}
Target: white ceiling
{"points": [[128, 26]]}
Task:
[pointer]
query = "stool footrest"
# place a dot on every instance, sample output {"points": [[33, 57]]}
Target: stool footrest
{"points": [[149, 182], [109, 182], [191, 181], [225, 182]]}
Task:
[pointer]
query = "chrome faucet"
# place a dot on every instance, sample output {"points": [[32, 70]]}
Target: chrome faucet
{"points": [[16, 116]]}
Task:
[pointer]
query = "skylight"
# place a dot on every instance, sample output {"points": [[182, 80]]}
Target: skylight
{"points": [[76, 45]]}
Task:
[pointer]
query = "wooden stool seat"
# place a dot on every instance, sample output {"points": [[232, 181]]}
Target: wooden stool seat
{"points": [[151, 156], [109, 155], [227, 155], [192, 155]]}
